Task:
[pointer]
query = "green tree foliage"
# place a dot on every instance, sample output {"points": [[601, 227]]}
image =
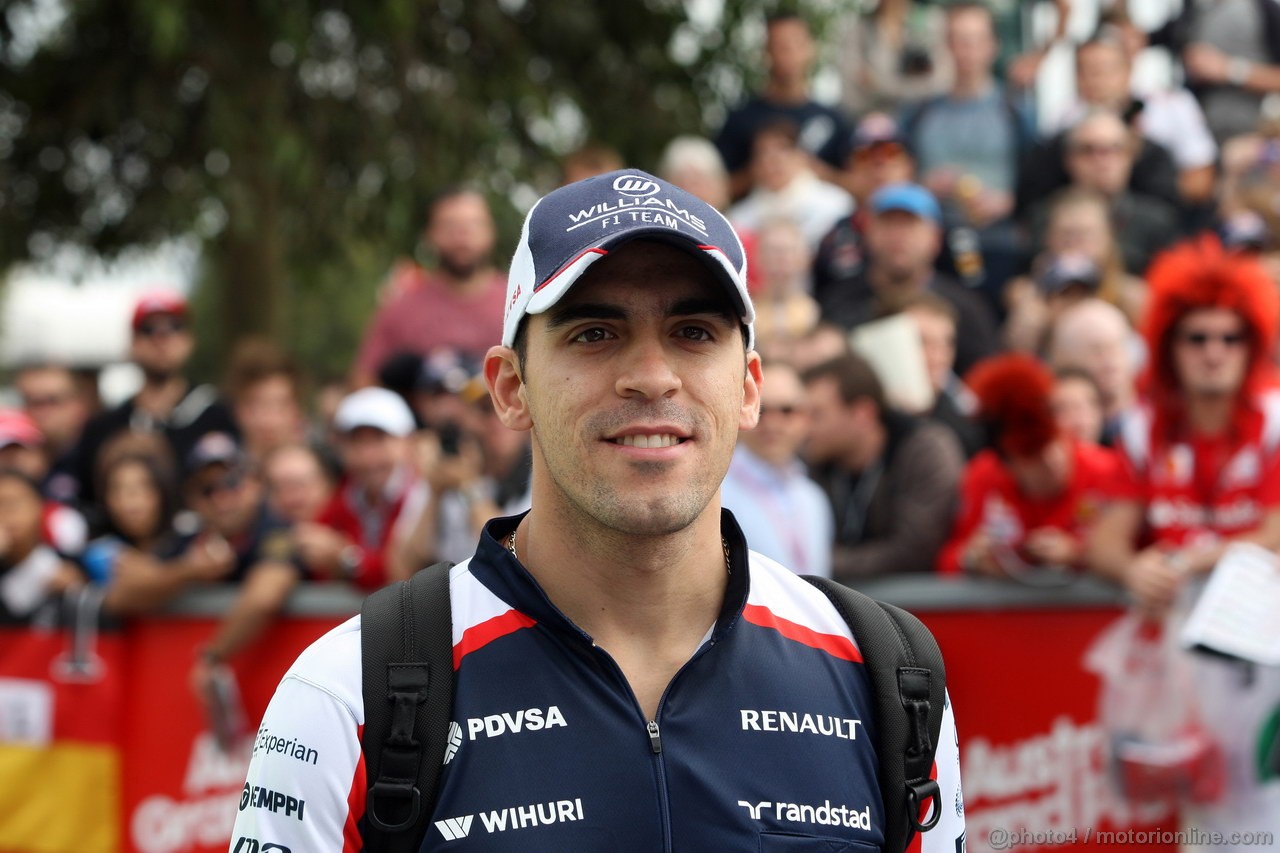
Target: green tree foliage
{"points": [[301, 140]]}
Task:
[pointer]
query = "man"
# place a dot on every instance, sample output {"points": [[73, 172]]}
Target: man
{"points": [[379, 491], [1170, 118], [264, 385], [167, 403], [1099, 155], [299, 484], [54, 398], [904, 238], [456, 305], [823, 134], [1201, 472], [767, 488], [891, 479], [953, 404], [1095, 337], [785, 187], [633, 369]]}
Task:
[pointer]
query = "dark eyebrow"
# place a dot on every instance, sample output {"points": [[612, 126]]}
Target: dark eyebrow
{"points": [[564, 315], [702, 305]]}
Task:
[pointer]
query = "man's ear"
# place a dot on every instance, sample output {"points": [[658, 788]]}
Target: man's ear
{"points": [[752, 383], [506, 388]]}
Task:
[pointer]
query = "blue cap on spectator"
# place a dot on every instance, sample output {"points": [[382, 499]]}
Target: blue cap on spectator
{"points": [[911, 198]]}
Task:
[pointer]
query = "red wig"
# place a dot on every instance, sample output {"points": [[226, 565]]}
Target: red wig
{"points": [[1200, 274], [1013, 399]]}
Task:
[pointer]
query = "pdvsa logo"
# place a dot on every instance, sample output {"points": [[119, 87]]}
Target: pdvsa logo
{"points": [[635, 186], [455, 741]]}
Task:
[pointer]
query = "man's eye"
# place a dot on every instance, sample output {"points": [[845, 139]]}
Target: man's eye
{"points": [[593, 335], [696, 333]]}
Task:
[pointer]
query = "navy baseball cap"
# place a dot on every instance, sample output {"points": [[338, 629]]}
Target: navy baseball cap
{"points": [[911, 198], [576, 225]]}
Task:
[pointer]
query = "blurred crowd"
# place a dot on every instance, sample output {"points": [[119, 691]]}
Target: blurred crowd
{"points": [[992, 345]]}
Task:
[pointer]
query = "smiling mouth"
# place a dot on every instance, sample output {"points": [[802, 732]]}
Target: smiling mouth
{"points": [[648, 441]]}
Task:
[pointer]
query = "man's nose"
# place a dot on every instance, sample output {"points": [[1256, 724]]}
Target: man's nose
{"points": [[648, 371]]}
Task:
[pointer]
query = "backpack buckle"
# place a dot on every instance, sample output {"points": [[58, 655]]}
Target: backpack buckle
{"points": [[397, 792], [919, 793]]}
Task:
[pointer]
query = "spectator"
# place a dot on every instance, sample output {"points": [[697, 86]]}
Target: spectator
{"points": [[1077, 406], [1081, 256], [785, 312], [825, 342], [140, 502], [55, 399], [1020, 62], [1100, 154], [953, 404], [767, 488], [1027, 502], [63, 528], [1231, 52], [30, 571], [264, 385], [891, 478], [879, 158], [890, 57], [457, 305], [378, 491], [436, 391], [1171, 118], [1200, 472], [823, 133], [299, 483], [787, 188], [236, 526], [904, 237], [589, 160], [969, 141], [167, 404], [1095, 337]]}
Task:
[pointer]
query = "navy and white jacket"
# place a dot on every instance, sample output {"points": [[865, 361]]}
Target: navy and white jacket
{"points": [[764, 741]]}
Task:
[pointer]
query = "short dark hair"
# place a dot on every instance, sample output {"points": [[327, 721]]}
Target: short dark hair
{"points": [[450, 192], [255, 360], [854, 377]]}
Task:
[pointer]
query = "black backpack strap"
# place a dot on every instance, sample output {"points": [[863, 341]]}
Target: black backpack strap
{"points": [[909, 681], [406, 644]]}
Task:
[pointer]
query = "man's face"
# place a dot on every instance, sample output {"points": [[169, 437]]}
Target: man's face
{"points": [[1102, 74], [636, 385], [901, 244], [938, 340], [268, 413], [1084, 228], [784, 418], [20, 513], [775, 161], [877, 165], [1210, 351], [161, 345], [1101, 349], [1077, 409], [296, 486], [370, 456], [53, 401], [789, 48], [971, 42], [832, 434], [1100, 155], [225, 498], [462, 234]]}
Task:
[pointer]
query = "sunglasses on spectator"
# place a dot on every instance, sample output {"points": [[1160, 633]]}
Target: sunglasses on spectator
{"points": [[785, 411], [157, 328], [48, 401], [1199, 339], [878, 151], [1096, 149], [226, 483]]}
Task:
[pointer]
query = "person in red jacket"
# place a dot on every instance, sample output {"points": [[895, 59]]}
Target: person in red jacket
{"points": [[379, 491], [1028, 500]]}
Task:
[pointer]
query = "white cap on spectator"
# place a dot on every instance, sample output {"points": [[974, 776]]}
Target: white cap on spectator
{"points": [[377, 408]]}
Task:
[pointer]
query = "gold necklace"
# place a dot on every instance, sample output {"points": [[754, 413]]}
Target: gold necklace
{"points": [[724, 543]]}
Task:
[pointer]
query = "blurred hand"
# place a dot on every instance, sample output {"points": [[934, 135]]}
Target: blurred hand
{"points": [[977, 556], [320, 547], [942, 181], [66, 577], [452, 473], [1153, 580], [1023, 69], [208, 558], [1050, 546], [1205, 63]]}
